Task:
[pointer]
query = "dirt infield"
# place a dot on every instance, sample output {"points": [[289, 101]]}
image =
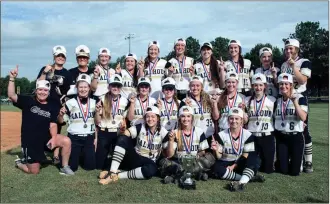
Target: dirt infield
{"points": [[10, 130]]}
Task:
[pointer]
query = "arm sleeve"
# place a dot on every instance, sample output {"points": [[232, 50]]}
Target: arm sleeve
{"points": [[249, 145], [306, 69], [203, 143], [303, 103]]}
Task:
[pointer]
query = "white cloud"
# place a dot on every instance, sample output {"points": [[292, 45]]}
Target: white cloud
{"points": [[29, 30]]}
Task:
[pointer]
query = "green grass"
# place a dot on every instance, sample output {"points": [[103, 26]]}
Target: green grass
{"points": [[49, 186]]}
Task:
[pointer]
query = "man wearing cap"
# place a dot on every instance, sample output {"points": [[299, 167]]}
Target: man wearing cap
{"points": [[180, 68], [102, 72], [300, 69], [39, 128], [269, 70], [239, 65], [60, 80], [208, 68], [82, 56]]}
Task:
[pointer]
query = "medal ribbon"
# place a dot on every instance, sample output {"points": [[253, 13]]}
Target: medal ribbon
{"points": [[83, 112], [189, 142], [200, 105], [181, 66], [258, 109], [208, 73], [142, 106], [230, 105], [284, 107], [115, 107], [236, 66], [168, 111], [237, 151], [153, 67]]}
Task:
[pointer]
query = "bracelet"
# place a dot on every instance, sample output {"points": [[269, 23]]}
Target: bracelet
{"points": [[96, 77], [12, 80]]}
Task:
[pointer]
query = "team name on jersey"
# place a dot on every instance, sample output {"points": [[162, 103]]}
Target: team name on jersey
{"points": [[265, 113], [144, 144], [199, 110], [164, 113], [156, 71], [75, 115]]}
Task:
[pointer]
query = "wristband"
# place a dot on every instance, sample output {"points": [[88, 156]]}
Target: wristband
{"points": [[12, 80]]}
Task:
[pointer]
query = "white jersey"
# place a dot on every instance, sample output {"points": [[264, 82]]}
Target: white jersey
{"points": [[289, 122], [169, 114], [272, 90], [305, 69], [260, 114], [234, 148], [234, 102], [181, 83], [156, 73], [190, 144], [81, 116], [202, 116], [244, 74], [118, 114], [103, 81], [148, 145], [128, 86], [140, 107], [202, 70]]}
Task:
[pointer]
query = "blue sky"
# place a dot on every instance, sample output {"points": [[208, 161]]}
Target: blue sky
{"points": [[29, 30]]}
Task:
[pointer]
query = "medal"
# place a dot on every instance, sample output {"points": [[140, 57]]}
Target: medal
{"points": [[150, 154], [188, 144], [284, 107], [168, 123], [210, 84], [200, 106], [236, 67], [150, 140], [259, 109], [208, 74], [181, 66], [230, 105], [84, 112], [168, 110], [282, 124], [236, 146], [152, 68], [143, 109], [115, 107]]}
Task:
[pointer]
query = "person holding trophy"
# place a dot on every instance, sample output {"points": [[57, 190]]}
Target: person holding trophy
{"points": [[234, 149], [189, 143], [138, 159]]}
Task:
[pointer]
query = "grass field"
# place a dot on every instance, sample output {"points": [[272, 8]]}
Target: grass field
{"points": [[49, 186]]}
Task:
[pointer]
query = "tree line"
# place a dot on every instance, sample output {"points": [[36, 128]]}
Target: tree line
{"points": [[314, 45]]}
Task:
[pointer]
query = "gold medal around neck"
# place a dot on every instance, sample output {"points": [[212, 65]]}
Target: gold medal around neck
{"points": [[85, 126]]}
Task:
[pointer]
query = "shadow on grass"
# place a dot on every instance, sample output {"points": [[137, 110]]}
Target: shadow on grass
{"points": [[314, 200]]}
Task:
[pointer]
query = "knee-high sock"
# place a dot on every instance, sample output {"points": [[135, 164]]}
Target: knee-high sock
{"points": [[231, 175], [308, 152], [118, 156], [247, 175], [132, 174]]}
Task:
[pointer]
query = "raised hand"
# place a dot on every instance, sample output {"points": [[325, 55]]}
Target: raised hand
{"points": [[48, 67], [171, 136], [159, 102], [290, 60], [99, 106], [62, 111], [191, 68], [132, 99], [97, 71], [14, 73], [118, 68]]}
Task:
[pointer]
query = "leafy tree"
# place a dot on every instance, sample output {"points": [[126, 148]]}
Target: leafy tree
{"points": [[220, 48]]}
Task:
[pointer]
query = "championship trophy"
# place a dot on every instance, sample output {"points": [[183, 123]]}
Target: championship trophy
{"points": [[187, 162]]}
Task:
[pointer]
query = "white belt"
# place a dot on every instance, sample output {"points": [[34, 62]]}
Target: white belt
{"points": [[261, 133]]}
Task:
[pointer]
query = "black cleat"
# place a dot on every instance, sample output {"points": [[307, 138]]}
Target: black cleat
{"points": [[236, 186], [308, 167], [258, 178]]}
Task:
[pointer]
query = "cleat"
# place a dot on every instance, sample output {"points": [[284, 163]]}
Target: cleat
{"points": [[168, 179], [18, 162], [66, 170], [103, 174], [236, 186], [110, 177], [258, 178], [308, 167]]}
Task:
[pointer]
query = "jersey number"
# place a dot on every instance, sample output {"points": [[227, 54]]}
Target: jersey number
{"points": [[270, 92], [208, 122], [92, 127], [246, 82], [292, 126], [264, 126]]}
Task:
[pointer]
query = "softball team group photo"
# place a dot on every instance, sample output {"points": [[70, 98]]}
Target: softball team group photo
{"points": [[138, 121]]}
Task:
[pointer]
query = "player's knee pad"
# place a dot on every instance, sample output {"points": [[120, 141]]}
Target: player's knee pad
{"points": [[205, 162], [149, 170]]}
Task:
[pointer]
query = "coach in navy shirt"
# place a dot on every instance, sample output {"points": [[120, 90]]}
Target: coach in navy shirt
{"points": [[39, 128]]}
